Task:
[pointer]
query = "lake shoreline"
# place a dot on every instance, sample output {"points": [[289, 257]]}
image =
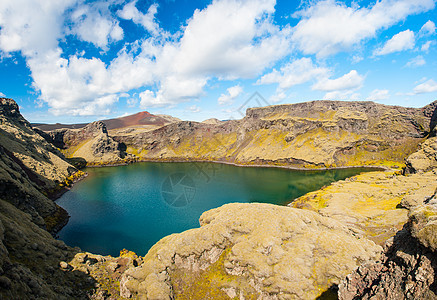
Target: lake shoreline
{"points": [[111, 164]]}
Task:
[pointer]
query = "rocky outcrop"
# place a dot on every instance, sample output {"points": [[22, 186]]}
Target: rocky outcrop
{"points": [[249, 251], [306, 135], [65, 138], [425, 159], [430, 111], [91, 143], [408, 269]]}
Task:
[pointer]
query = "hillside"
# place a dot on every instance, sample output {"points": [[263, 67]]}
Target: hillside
{"points": [[306, 135]]}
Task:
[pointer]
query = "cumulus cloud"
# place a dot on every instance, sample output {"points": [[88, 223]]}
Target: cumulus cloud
{"points": [[349, 81], [294, 73], [32, 27], [132, 102], [329, 27], [425, 47], [147, 20], [278, 97], [376, 95], [243, 43], [304, 70], [416, 61], [429, 86], [194, 108], [428, 28], [233, 93], [148, 99], [404, 40], [93, 23], [2, 95]]}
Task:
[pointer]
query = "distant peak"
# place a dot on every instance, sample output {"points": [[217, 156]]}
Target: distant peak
{"points": [[144, 112]]}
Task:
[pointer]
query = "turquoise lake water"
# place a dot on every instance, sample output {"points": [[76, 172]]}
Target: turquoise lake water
{"points": [[134, 206]]}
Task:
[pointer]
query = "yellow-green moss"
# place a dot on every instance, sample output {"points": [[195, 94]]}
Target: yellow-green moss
{"points": [[208, 284], [59, 217], [69, 152]]}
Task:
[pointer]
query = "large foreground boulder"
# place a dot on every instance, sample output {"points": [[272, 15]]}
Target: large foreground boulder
{"points": [[91, 143], [251, 251]]}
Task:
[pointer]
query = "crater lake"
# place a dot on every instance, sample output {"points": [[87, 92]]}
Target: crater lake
{"points": [[136, 205]]}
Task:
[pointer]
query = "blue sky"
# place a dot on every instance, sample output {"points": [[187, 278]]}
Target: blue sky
{"points": [[76, 61]]}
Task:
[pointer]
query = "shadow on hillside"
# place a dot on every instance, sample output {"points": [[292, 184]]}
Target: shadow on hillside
{"points": [[329, 294]]}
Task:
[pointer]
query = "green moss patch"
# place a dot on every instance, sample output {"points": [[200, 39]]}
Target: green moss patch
{"points": [[210, 283]]}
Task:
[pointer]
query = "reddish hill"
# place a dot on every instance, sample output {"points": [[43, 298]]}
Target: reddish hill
{"points": [[141, 118]]}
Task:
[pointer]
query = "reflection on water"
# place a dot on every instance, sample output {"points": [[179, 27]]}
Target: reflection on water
{"points": [[136, 205]]}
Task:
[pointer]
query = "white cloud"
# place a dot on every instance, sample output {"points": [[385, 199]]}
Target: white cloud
{"points": [[291, 74], [357, 58], [429, 86], [329, 27], [416, 61], [194, 108], [425, 47], [130, 12], [231, 39], [341, 95], [150, 99], [2, 95], [173, 90], [404, 40], [233, 92], [428, 28], [99, 106], [68, 84], [349, 81], [131, 102], [31, 26], [376, 95], [277, 98], [93, 23]]}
